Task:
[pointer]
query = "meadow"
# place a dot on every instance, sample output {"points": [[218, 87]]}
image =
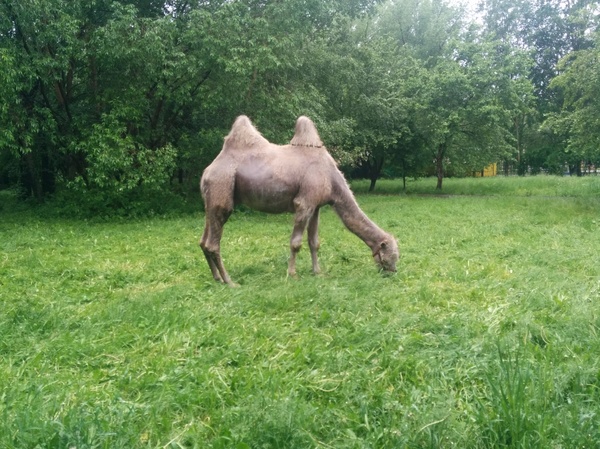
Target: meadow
{"points": [[113, 334]]}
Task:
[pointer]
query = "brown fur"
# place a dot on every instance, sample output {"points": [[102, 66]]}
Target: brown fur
{"points": [[243, 135], [306, 134], [267, 177]]}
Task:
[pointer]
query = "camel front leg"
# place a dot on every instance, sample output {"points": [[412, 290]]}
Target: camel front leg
{"points": [[313, 240], [215, 262], [211, 246], [208, 253], [217, 268]]}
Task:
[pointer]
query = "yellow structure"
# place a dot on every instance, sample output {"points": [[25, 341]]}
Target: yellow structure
{"points": [[490, 170]]}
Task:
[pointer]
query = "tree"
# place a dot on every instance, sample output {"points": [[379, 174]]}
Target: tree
{"points": [[467, 111], [36, 49], [579, 119], [378, 102], [463, 93], [548, 30], [408, 39], [112, 96], [427, 28]]}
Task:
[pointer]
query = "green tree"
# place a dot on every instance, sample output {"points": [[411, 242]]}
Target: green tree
{"points": [[399, 46], [113, 96], [547, 30], [377, 101], [59, 98], [37, 47], [465, 93], [579, 119]]}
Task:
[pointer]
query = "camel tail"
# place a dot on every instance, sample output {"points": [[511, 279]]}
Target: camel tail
{"points": [[306, 134], [243, 134]]}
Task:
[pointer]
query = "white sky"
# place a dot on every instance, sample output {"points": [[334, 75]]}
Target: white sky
{"points": [[470, 5]]}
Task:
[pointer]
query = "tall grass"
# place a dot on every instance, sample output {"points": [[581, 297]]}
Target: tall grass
{"points": [[551, 186], [115, 335]]}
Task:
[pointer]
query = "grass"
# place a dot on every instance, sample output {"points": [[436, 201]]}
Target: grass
{"points": [[496, 186], [114, 334]]}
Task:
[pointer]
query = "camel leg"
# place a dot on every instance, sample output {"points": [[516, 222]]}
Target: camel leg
{"points": [[313, 240], [209, 258], [211, 243], [300, 221]]}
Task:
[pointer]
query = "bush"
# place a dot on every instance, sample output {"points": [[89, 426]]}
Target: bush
{"points": [[104, 205]]}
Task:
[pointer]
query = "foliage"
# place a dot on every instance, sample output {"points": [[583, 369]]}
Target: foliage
{"points": [[109, 97], [99, 90], [578, 120], [115, 335], [549, 31]]}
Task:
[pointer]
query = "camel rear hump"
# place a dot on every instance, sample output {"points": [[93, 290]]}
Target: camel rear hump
{"points": [[306, 134], [243, 134]]}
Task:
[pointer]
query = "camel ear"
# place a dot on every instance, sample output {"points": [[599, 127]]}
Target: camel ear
{"points": [[383, 245]]}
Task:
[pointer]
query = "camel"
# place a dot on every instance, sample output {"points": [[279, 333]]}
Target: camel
{"points": [[300, 177]]}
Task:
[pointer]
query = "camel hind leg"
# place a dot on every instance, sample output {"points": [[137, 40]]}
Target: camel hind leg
{"points": [[301, 219], [313, 240]]}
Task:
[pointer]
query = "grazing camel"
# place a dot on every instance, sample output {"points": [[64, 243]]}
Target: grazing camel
{"points": [[300, 177]]}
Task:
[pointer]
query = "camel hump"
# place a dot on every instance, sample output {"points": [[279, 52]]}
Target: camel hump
{"points": [[243, 134], [306, 134]]}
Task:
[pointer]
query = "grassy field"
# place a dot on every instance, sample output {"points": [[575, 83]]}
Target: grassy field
{"points": [[114, 335], [497, 186]]}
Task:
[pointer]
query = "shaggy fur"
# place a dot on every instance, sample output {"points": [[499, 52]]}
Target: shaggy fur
{"points": [[306, 134], [244, 135], [267, 177]]}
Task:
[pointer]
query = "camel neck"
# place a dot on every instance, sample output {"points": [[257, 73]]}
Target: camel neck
{"points": [[355, 219]]}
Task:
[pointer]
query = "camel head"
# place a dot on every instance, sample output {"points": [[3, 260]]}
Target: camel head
{"points": [[387, 254]]}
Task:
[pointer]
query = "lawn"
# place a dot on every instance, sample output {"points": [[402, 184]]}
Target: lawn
{"points": [[114, 335]]}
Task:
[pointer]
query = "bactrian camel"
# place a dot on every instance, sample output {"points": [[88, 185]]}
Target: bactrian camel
{"points": [[300, 177]]}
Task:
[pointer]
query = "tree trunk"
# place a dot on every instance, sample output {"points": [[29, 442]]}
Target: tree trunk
{"points": [[30, 180], [440, 179], [520, 160], [375, 171], [48, 174], [372, 185], [439, 165], [575, 169]]}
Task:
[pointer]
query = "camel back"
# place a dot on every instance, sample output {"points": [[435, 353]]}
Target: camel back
{"points": [[306, 134], [243, 134]]}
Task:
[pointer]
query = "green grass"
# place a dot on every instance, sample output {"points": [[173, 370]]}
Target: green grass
{"points": [[496, 186], [114, 335]]}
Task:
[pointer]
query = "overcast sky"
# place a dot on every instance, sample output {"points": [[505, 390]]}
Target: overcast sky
{"points": [[471, 5]]}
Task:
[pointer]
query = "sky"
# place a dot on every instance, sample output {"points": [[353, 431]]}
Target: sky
{"points": [[471, 5]]}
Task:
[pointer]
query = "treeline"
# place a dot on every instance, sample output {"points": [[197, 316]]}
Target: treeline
{"points": [[108, 98]]}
